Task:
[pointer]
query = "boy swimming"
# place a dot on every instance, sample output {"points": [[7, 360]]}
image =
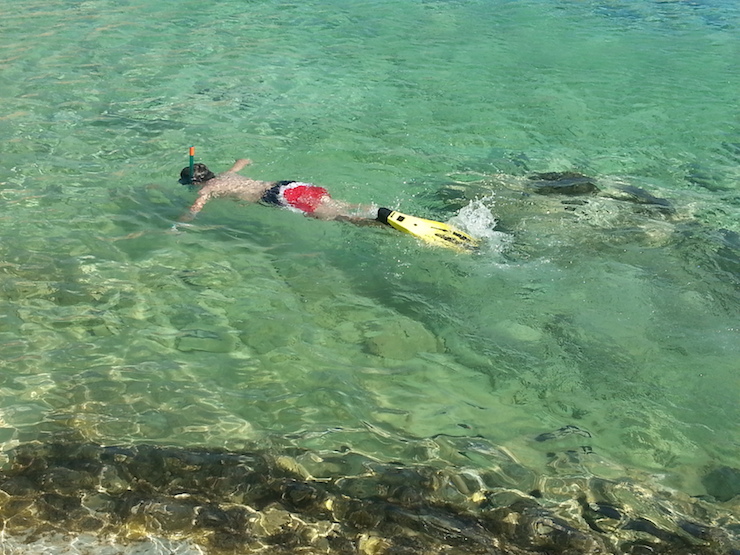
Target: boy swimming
{"points": [[313, 201], [306, 198]]}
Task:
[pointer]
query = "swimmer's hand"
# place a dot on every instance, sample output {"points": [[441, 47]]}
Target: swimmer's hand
{"points": [[178, 227], [240, 164], [185, 218]]}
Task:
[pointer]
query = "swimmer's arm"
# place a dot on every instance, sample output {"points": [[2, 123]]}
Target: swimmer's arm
{"points": [[196, 207], [239, 165]]}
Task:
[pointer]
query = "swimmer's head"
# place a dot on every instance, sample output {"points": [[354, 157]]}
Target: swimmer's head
{"points": [[201, 174]]}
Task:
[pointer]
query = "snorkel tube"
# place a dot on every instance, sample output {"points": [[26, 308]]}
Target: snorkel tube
{"points": [[192, 164]]}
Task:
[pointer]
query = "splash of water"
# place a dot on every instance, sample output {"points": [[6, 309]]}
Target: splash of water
{"points": [[477, 219]]}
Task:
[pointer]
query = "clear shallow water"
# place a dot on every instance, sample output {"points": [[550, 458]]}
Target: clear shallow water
{"points": [[256, 325]]}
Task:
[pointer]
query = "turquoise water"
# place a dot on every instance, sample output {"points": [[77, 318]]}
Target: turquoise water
{"points": [[255, 325]]}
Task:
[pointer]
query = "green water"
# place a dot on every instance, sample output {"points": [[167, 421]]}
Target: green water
{"points": [[257, 325]]}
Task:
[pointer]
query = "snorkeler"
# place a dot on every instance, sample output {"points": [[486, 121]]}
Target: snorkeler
{"points": [[297, 196], [312, 200]]}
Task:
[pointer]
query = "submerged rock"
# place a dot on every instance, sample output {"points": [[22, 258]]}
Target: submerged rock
{"points": [[563, 183], [250, 502], [399, 338], [722, 483], [204, 340], [563, 432], [637, 195], [573, 188]]}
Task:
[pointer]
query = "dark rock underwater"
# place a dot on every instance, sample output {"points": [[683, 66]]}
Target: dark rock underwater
{"points": [[248, 502]]}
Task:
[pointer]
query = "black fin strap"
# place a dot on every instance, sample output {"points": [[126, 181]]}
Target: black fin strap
{"points": [[383, 214]]}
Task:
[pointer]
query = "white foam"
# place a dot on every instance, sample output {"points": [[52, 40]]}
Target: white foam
{"points": [[478, 220]]}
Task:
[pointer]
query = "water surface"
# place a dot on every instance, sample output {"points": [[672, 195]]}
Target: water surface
{"points": [[611, 313]]}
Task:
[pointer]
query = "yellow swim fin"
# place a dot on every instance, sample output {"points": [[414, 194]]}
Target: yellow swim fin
{"points": [[435, 233]]}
